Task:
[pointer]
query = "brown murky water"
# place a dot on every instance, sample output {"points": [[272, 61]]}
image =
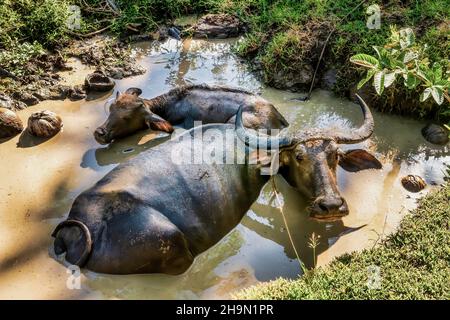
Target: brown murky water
{"points": [[40, 179]]}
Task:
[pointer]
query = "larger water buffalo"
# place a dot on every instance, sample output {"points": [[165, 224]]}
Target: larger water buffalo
{"points": [[152, 214], [183, 106]]}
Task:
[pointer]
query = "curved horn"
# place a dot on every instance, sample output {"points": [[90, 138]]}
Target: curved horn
{"points": [[363, 132], [255, 141], [88, 247]]}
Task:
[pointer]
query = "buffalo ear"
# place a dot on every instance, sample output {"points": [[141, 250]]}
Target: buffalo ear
{"points": [[155, 122], [357, 160], [134, 91]]}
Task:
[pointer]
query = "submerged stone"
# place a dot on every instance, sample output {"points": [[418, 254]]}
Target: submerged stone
{"points": [[10, 124], [44, 124], [413, 183], [436, 134]]}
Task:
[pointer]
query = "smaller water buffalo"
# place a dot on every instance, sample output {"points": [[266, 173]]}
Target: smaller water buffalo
{"points": [[152, 214], [182, 106]]}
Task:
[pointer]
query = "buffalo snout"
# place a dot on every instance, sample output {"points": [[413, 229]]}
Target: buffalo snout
{"points": [[329, 208], [101, 136]]}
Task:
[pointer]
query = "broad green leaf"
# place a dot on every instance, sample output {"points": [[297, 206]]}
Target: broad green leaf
{"points": [[365, 60], [383, 56], [389, 79], [437, 71], [368, 76], [423, 73], [378, 82], [425, 94], [444, 83], [438, 95], [411, 81]]}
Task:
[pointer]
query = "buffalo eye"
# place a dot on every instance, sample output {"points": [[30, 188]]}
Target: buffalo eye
{"points": [[299, 157]]}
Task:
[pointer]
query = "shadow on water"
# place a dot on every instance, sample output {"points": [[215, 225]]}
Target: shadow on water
{"points": [[121, 150], [92, 96], [26, 140]]}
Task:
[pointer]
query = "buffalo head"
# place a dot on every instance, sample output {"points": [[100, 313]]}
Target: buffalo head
{"points": [[129, 113], [308, 161]]}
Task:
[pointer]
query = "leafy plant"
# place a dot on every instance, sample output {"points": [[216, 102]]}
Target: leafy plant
{"points": [[403, 58], [16, 58]]}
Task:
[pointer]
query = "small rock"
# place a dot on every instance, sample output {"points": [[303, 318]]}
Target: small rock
{"points": [[174, 33], [19, 105], [78, 92], [44, 124], [217, 26], [10, 124], [413, 183], [60, 92], [290, 80], [6, 102], [26, 98], [42, 94], [435, 134], [116, 73]]}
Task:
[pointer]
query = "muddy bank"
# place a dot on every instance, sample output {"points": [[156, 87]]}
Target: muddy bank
{"points": [[46, 76]]}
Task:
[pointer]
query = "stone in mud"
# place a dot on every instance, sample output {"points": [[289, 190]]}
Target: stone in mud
{"points": [[116, 73], [44, 124], [6, 102], [58, 92], [413, 183], [26, 97], [19, 105], [10, 124], [292, 81], [78, 92], [98, 82], [61, 91], [436, 134], [217, 26]]}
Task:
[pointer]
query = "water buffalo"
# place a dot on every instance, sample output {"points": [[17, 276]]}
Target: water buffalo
{"points": [[152, 214], [182, 106]]}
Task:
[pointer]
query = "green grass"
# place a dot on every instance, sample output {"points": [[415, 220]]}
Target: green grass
{"points": [[16, 58], [414, 263], [43, 21]]}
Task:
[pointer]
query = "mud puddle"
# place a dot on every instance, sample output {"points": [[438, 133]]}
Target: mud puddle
{"points": [[40, 179]]}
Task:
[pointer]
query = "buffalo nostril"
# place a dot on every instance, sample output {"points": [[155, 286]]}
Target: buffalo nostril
{"points": [[330, 204], [323, 207], [100, 132]]}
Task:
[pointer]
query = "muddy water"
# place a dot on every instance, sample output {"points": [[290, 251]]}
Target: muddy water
{"points": [[40, 179]]}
